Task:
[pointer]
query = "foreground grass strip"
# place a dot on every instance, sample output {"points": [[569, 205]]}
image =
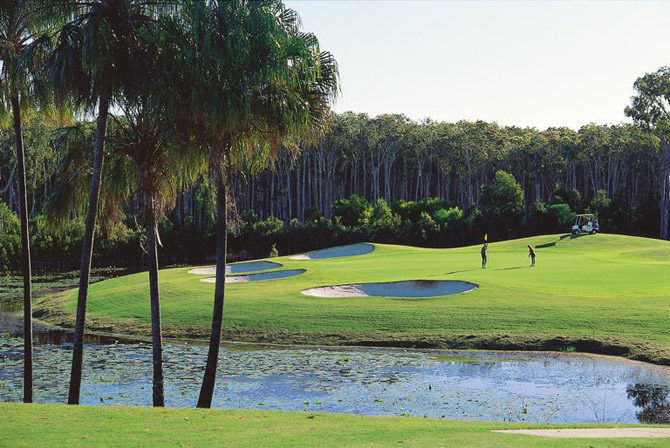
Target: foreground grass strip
{"points": [[97, 426]]}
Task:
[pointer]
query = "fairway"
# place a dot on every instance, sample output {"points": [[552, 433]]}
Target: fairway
{"points": [[595, 287]]}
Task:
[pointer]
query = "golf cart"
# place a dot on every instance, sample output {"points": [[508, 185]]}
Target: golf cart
{"points": [[587, 223]]}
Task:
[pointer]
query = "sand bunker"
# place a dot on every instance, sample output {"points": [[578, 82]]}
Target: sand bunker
{"points": [[593, 433], [238, 268], [335, 252], [409, 288], [257, 277]]}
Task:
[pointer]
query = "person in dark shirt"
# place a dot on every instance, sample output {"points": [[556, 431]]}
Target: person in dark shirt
{"points": [[531, 254], [484, 256]]}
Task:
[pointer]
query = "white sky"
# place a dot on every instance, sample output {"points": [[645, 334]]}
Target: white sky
{"points": [[524, 63]]}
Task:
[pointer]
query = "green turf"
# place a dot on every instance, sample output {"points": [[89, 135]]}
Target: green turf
{"points": [[596, 286], [97, 426]]}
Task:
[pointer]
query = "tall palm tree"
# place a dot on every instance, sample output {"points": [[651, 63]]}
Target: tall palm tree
{"points": [[163, 158], [20, 26], [256, 81], [147, 147], [95, 57]]}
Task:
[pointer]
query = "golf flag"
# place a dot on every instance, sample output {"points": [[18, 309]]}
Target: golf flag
{"points": [[486, 237]]}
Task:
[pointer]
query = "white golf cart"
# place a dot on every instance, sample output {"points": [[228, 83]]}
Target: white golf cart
{"points": [[587, 223]]}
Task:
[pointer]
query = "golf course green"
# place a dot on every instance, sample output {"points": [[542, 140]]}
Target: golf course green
{"points": [[601, 293]]}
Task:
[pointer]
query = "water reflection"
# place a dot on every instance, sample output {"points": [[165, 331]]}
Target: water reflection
{"points": [[653, 401], [66, 337], [11, 325]]}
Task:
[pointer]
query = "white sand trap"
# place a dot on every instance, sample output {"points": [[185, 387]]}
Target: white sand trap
{"points": [[336, 252], [238, 268], [257, 277], [409, 288], [593, 433]]}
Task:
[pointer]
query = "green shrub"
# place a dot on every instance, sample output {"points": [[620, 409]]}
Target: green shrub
{"points": [[352, 211], [10, 238], [502, 203]]}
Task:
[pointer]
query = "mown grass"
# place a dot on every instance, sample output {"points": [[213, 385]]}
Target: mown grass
{"points": [[603, 287], [96, 426]]}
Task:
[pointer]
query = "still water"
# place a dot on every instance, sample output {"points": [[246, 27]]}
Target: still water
{"points": [[499, 386]]}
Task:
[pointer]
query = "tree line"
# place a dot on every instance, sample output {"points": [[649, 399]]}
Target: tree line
{"points": [[394, 158]]}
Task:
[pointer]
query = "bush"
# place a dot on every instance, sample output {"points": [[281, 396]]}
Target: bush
{"points": [[600, 204], [10, 238], [412, 210], [502, 203], [352, 211], [448, 217], [556, 218], [565, 195], [312, 214], [383, 222]]}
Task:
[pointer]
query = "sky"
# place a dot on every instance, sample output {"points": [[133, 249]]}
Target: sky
{"points": [[523, 63]]}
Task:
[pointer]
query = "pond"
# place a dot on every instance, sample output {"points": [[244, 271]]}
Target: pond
{"points": [[496, 386]]}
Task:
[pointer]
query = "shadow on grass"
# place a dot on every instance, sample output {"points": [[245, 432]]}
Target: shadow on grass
{"points": [[561, 238], [509, 269], [458, 272]]}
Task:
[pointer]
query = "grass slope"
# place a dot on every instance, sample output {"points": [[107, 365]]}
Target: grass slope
{"points": [[96, 426], [603, 287]]}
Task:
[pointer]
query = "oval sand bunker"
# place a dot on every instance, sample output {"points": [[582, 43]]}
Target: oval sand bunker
{"points": [[408, 288], [257, 277], [336, 252], [238, 268]]}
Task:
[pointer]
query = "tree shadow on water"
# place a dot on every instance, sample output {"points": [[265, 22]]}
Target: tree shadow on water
{"points": [[653, 401]]}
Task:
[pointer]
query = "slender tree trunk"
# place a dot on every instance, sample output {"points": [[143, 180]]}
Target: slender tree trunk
{"points": [[289, 195], [209, 379], [87, 252], [25, 258], [665, 189], [156, 332]]}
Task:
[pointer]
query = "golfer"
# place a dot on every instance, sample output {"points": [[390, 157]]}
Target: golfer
{"points": [[484, 257], [531, 254]]}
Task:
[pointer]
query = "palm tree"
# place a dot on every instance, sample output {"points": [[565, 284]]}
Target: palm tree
{"points": [[147, 146], [20, 27], [95, 57], [256, 81], [163, 158]]}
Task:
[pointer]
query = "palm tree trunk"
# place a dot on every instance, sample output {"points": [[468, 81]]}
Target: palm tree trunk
{"points": [[209, 379], [25, 259], [156, 332], [87, 252]]}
